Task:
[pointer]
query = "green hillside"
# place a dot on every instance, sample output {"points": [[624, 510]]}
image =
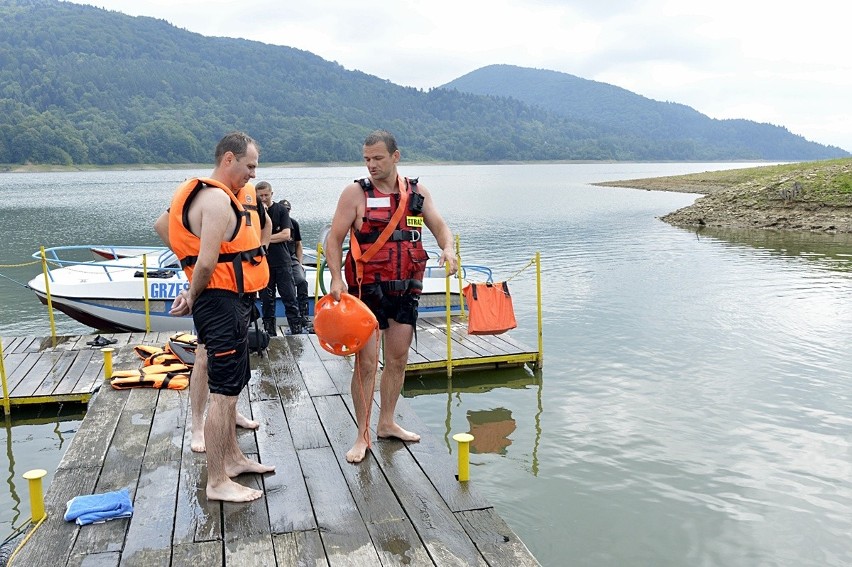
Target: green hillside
{"points": [[81, 85], [619, 112]]}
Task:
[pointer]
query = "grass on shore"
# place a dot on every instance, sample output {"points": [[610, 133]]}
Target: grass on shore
{"points": [[827, 182]]}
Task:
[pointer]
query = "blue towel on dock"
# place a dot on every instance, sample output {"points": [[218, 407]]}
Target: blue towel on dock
{"points": [[93, 508]]}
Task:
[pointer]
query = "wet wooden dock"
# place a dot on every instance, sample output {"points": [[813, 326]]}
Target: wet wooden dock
{"points": [[43, 370], [401, 506]]}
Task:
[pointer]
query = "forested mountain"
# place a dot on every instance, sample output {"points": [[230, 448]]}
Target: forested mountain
{"points": [[673, 128], [83, 85]]}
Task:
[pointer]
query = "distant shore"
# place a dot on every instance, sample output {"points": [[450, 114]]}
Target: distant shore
{"points": [[812, 196]]}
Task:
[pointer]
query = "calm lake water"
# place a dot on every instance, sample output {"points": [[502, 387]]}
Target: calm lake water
{"points": [[695, 406]]}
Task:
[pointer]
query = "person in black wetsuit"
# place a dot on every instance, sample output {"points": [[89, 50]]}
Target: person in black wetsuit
{"points": [[280, 271], [295, 247]]}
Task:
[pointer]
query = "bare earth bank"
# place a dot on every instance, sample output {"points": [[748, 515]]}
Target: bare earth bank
{"points": [[814, 196]]}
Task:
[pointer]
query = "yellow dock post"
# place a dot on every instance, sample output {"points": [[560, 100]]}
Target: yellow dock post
{"points": [[36, 494], [145, 293], [464, 439], [449, 330], [319, 275], [47, 293], [7, 404], [540, 361], [107, 362], [461, 279]]}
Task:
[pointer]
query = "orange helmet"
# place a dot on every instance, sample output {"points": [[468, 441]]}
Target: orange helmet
{"points": [[343, 327]]}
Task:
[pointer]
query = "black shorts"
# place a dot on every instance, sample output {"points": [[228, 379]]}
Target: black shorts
{"points": [[221, 319], [401, 308]]}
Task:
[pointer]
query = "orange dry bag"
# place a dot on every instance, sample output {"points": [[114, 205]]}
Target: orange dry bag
{"points": [[490, 310], [343, 327]]}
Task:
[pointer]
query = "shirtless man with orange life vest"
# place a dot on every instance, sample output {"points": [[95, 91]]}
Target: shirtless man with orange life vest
{"points": [[209, 230], [390, 282]]}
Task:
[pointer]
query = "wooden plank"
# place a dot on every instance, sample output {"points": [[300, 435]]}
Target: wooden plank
{"points": [[21, 370], [397, 543], [286, 493], [459, 333], [82, 340], [497, 542], [10, 363], [121, 465], [436, 525], [50, 544], [435, 337], [149, 535], [133, 427], [394, 537], [247, 530], [246, 439], [196, 518], [430, 347], [92, 376], [9, 344], [299, 548], [165, 440], [341, 527], [110, 559], [28, 344], [303, 422], [374, 497], [199, 554], [96, 431], [56, 376], [435, 461], [109, 536], [262, 385], [251, 551], [317, 379], [36, 376], [78, 366]]}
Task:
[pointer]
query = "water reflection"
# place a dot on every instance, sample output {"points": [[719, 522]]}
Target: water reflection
{"points": [[492, 427], [491, 430], [45, 431], [828, 251]]}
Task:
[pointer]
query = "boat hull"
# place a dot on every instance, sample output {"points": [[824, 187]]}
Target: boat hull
{"points": [[111, 295]]}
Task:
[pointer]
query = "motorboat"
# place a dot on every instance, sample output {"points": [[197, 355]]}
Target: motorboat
{"points": [[123, 288]]}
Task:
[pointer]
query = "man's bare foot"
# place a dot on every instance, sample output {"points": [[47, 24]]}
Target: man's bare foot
{"points": [[230, 491], [396, 431], [358, 451], [246, 423], [247, 466], [196, 443]]}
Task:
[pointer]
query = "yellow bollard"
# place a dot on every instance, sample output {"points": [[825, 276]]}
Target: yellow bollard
{"points": [[6, 401], [464, 439], [107, 362], [36, 496]]}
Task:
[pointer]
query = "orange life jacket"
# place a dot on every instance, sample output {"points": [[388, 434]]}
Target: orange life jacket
{"points": [[400, 261], [241, 267], [247, 196]]}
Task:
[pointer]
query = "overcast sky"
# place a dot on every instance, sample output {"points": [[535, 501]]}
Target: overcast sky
{"points": [[751, 59]]}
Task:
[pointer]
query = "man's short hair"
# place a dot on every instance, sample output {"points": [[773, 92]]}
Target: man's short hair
{"points": [[263, 185], [377, 136], [235, 142]]}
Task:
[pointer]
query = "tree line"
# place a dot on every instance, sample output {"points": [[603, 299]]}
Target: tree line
{"points": [[82, 85]]}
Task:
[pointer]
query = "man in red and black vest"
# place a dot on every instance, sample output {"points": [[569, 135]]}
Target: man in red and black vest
{"points": [[385, 269]]}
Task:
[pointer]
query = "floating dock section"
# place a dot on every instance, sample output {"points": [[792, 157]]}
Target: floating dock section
{"points": [[403, 505]]}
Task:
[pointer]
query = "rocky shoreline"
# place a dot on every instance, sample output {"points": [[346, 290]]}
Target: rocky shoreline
{"points": [[814, 197]]}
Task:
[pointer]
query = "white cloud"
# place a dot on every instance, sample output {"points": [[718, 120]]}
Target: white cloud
{"points": [[727, 59]]}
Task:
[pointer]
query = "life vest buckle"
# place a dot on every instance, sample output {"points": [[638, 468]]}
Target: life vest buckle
{"points": [[410, 235]]}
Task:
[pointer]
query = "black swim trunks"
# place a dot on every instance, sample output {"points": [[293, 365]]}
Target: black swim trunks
{"points": [[401, 308], [221, 319]]}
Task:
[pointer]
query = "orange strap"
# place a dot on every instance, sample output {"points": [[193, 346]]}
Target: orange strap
{"points": [[361, 259]]}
